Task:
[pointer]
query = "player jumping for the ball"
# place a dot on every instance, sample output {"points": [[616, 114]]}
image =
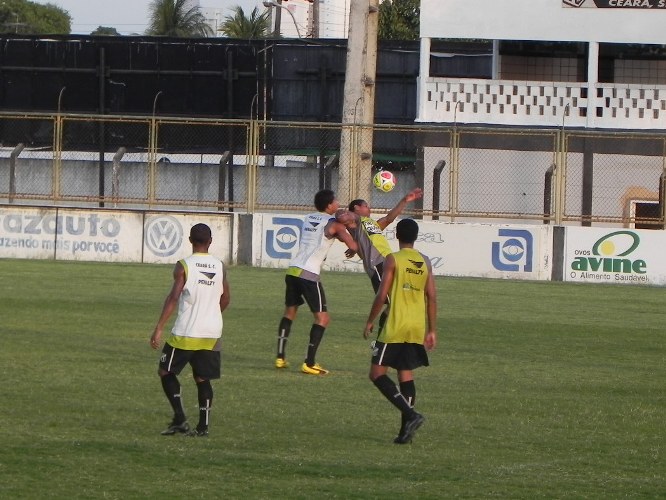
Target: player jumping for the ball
{"points": [[368, 235]]}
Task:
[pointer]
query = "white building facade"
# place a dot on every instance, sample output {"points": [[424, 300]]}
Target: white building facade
{"points": [[333, 19], [634, 100]]}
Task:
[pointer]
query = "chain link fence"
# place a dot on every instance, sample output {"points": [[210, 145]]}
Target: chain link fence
{"points": [[615, 178], [467, 173]]}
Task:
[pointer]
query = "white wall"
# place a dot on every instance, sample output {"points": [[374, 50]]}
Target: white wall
{"points": [[542, 20], [595, 255], [471, 250], [107, 235]]}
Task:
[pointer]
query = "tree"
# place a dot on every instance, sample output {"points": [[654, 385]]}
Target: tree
{"points": [[399, 20], [105, 31], [247, 28], [22, 16], [176, 18]]}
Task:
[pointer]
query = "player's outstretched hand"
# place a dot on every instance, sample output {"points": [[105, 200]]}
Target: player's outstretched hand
{"points": [[414, 194], [349, 253]]}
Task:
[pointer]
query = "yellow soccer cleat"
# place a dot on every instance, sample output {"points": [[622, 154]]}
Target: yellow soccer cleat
{"points": [[313, 370], [281, 363]]}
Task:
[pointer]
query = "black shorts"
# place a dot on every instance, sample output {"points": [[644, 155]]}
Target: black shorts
{"points": [[299, 291], [376, 280], [376, 277], [205, 364], [403, 356]]}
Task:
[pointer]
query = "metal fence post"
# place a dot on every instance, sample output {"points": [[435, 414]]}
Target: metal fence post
{"points": [[12, 170], [548, 194], [152, 154], [57, 148], [57, 157], [115, 176], [662, 182], [327, 169], [222, 179], [252, 163], [436, 188], [453, 172], [560, 176]]}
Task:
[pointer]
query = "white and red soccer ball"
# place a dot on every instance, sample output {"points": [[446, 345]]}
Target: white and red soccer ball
{"points": [[384, 181]]}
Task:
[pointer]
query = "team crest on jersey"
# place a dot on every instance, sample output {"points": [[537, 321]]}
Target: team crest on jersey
{"points": [[416, 263], [371, 227], [210, 276], [313, 227]]}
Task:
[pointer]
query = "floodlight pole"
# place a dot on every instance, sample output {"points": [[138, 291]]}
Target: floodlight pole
{"points": [[276, 3], [356, 154]]}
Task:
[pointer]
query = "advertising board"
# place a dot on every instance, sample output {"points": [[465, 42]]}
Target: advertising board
{"points": [[474, 250], [603, 255], [166, 236], [70, 234], [106, 235]]}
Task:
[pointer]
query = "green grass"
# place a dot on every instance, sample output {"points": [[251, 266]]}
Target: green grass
{"points": [[536, 390]]}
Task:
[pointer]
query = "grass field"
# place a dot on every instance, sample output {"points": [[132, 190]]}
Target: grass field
{"points": [[544, 390]]}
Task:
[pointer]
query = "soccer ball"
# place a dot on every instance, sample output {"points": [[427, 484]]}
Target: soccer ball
{"points": [[384, 181]]}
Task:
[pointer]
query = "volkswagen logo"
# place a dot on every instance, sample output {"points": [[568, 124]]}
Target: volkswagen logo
{"points": [[163, 235]]}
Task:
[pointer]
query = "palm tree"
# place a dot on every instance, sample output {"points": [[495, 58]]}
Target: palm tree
{"points": [[248, 28], [176, 18]]}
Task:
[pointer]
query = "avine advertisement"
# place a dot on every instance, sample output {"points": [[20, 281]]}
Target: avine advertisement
{"points": [[596, 255]]}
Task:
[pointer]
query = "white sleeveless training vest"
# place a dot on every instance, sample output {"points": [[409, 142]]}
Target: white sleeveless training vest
{"points": [[199, 313], [314, 244]]}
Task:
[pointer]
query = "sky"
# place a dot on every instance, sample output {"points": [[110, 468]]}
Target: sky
{"points": [[127, 16]]}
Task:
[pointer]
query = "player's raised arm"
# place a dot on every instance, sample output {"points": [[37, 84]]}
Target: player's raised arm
{"points": [[339, 231], [414, 194]]}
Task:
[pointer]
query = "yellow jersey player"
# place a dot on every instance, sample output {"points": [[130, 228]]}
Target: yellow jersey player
{"points": [[409, 330], [369, 236]]}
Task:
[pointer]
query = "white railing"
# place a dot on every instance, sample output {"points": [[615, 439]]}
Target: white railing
{"points": [[549, 104]]}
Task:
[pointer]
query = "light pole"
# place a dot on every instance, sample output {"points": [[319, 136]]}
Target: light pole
{"points": [[273, 3]]}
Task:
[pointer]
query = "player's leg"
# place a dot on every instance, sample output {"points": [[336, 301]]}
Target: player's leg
{"points": [[205, 367], [172, 362], [205, 398], [316, 299], [411, 357], [376, 280], [383, 357], [292, 300], [408, 390], [284, 329]]}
